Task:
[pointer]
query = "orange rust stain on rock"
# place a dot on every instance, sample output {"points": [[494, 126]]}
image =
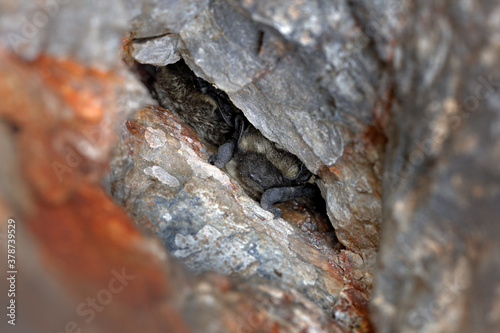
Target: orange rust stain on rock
{"points": [[357, 301], [19, 87], [373, 138], [339, 168], [327, 172], [135, 128], [334, 169], [48, 83], [126, 41], [89, 237], [334, 272], [57, 105], [275, 328], [345, 262], [354, 296], [172, 321], [85, 89]]}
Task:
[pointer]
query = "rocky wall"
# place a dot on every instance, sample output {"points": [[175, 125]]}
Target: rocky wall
{"points": [[393, 105]]}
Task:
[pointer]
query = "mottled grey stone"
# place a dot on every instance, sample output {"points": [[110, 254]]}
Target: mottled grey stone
{"points": [[223, 43], [159, 51], [312, 102], [157, 17], [439, 266], [67, 29], [326, 80], [288, 99]]}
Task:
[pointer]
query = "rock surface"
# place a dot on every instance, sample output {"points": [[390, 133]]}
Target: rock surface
{"points": [[403, 94], [438, 269]]}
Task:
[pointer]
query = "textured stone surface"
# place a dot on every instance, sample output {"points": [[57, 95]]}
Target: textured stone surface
{"points": [[158, 51], [325, 80], [157, 17], [51, 26], [438, 269]]}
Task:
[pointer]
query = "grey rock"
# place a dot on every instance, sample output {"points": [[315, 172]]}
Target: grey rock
{"points": [[159, 51], [66, 29], [150, 18], [288, 99], [438, 267], [224, 37], [327, 81]]}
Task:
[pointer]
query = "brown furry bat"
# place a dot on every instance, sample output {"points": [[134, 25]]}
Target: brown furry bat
{"points": [[195, 101], [266, 172]]}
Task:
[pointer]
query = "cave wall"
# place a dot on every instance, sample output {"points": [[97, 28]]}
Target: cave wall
{"points": [[438, 262], [393, 104]]}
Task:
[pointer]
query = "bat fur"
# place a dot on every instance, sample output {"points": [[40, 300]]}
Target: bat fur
{"points": [[179, 90]]}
